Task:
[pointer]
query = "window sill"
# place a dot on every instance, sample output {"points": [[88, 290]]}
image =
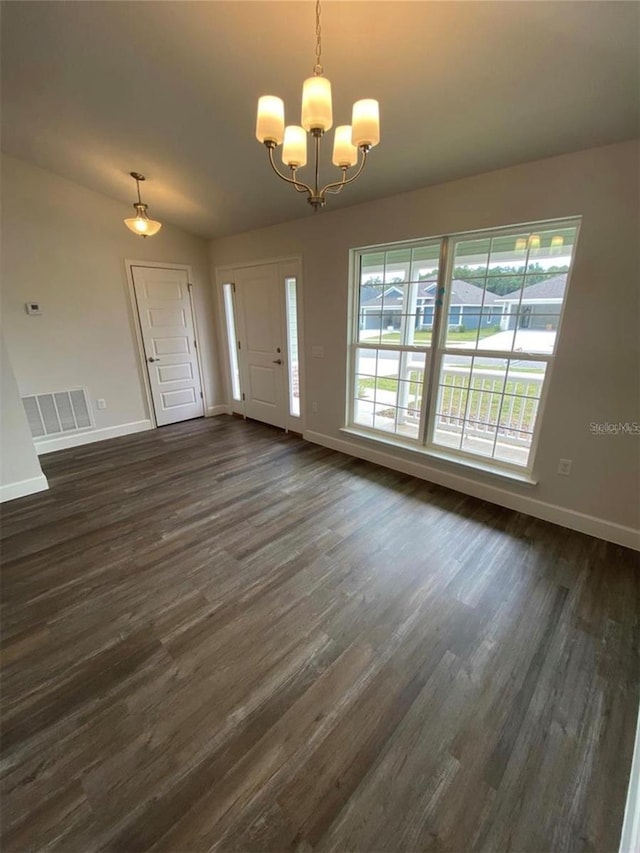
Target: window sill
{"points": [[442, 456]]}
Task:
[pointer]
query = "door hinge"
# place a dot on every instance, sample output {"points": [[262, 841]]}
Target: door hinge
{"points": [[233, 286], [239, 347], [243, 397], [189, 285], [195, 343], [201, 397]]}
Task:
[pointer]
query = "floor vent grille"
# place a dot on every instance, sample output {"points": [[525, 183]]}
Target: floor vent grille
{"points": [[58, 413]]}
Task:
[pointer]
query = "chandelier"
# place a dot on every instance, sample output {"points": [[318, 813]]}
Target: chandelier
{"points": [[317, 117], [141, 224]]}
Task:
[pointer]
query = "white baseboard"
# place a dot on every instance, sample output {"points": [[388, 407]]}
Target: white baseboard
{"points": [[630, 838], [11, 491], [62, 442], [598, 527], [212, 411]]}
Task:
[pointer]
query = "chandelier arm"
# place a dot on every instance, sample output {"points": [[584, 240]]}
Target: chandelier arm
{"points": [[345, 180], [336, 187], [299, 185], [334, 190]]}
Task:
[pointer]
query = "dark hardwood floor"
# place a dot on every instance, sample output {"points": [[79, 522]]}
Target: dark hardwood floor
{"points": [[217, 636]]}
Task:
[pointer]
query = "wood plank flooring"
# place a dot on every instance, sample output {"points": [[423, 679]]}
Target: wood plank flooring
{"points": [[220, 637]]}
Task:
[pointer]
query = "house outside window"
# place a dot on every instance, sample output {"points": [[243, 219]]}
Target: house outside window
{"points": [[454, 338]]}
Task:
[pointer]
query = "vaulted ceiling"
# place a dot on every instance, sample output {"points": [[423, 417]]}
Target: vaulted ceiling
{"points": [[94, 90]]}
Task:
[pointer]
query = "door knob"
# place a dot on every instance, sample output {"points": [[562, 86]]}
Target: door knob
{"points": [[277, 361], [153, 359]]}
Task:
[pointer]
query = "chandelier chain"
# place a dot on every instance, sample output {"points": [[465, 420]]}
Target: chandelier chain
{"points": [[318, 66]]}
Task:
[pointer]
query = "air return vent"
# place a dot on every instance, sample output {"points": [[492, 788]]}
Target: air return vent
{"points": [[57, 413]]}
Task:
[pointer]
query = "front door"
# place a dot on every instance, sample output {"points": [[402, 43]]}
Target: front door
{"points": [[265, 299], [163, 301]]}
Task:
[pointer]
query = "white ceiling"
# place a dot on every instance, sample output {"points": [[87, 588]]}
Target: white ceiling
{"points": [[94, 90]]}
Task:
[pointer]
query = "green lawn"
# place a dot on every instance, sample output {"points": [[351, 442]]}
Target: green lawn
{"points": [[424, 337]]}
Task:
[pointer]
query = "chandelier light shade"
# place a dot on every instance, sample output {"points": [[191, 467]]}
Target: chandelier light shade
{"points": [[365, 123], [351, 144], [270, 126], [345, 153], [317, 112], [294, 149], [141, 224]]}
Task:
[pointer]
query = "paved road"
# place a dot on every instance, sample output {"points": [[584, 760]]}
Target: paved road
{"points": [[526, 341]]}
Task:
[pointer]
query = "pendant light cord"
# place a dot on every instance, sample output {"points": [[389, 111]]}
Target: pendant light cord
{"points": [[318, 66]]}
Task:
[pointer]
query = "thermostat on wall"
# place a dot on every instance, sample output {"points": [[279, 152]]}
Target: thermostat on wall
{"points": [[33, 307]]}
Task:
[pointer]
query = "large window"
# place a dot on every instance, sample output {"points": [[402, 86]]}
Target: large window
{"points": [[453, 339]]}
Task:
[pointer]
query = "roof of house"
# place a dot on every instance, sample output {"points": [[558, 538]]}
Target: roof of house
{"points": [[552, 288], [462, 293], [465, 293]]}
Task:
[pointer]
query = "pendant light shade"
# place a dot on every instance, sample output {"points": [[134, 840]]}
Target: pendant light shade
{"points": [[141, 224]]}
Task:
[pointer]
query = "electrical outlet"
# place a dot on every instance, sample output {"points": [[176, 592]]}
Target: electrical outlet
{"points": [[102, 404], [564, 467], [314, 407]]}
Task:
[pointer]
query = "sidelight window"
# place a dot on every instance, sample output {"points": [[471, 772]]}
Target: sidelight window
{"points": [[232, 340]]}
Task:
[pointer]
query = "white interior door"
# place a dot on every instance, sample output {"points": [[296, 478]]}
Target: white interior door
{"points": [[164, 309], [262, 353]]}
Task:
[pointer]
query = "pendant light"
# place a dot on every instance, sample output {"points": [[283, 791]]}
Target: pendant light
{"points": [[141, 224], [317, 117]]}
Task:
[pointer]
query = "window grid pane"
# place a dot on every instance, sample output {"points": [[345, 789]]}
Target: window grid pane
{"points": [[388, 391], [488, 409], [397, 295]]}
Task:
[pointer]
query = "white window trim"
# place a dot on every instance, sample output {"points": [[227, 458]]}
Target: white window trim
{"points": [[474, 463], [423, 444]]}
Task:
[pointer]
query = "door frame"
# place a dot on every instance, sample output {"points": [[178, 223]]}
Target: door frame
{"points": [[135, 322], [224, 274]]}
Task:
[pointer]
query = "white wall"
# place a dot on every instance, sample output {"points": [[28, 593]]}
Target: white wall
{"points": [[65, 247], [20, 472], [596, 376]]}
